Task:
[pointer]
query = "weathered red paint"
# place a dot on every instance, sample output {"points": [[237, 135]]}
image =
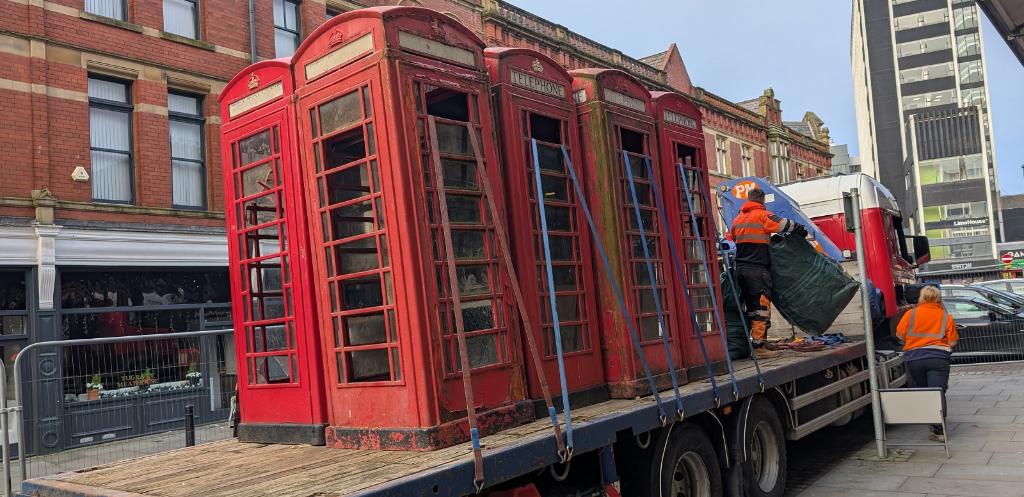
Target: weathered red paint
{"points": [[681, 141], [390, 357], [609, 101], [531, 90], [279, 372]]}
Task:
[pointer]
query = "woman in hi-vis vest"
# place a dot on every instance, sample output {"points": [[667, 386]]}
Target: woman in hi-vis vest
{"points": [[929, 334]]}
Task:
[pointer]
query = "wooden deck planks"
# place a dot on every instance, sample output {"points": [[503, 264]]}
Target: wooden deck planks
{"points": [[233, 469]]}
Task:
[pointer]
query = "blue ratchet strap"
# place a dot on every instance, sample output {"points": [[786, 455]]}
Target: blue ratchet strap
{"points": [[731, 274], [627, 316], [719, 321], [567, 413], [660, 203], [651, 279]]}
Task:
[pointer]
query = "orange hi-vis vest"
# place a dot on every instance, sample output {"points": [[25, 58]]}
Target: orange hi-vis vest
{"points": [[927, 325], [752, 230]]}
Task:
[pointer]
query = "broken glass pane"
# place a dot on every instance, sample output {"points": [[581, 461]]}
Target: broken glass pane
{"points": [[347, 184], [473, 280], [352, 220], [477, 315], [482, 351], [468, 244], [258, 179]]}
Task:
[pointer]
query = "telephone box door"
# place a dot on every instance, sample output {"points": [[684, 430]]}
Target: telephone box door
{"points": [[275, 373]]}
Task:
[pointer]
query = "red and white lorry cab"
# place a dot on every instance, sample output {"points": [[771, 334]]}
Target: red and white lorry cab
{"points": [[890, 255]]}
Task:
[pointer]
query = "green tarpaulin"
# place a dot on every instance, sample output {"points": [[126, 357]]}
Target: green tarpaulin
{"points": [[808, 288]]}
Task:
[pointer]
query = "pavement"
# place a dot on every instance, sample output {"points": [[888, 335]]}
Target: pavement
{"points": [[985, 425]]}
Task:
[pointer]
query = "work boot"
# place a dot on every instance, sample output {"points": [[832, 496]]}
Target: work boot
{"points": [[935, 437], [763, 353]]}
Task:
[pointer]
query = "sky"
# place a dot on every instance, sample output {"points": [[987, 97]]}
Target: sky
{"points": [[801, 48]]}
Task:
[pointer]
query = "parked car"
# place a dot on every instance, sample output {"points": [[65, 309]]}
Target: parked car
{"points": [[1012, 285], [992, 295], [987, 331]]}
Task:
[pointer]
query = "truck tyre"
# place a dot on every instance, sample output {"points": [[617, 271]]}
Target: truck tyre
{"points": [[682, 463], [763, 472]]}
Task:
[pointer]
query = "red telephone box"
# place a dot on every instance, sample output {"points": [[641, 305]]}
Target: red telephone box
{"points": [[681, 141], [614, 111], [280, 376], [387, 97], [533, 99]]}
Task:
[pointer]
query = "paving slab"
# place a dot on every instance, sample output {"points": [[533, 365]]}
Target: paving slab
{"points": [[986, 438]]}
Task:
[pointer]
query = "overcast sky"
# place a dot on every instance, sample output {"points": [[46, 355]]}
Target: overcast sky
{"points": [[801, 48]]}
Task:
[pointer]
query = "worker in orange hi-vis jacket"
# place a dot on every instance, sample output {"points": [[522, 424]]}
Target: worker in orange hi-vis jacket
{"points": [[752, 230], [929, 334]]}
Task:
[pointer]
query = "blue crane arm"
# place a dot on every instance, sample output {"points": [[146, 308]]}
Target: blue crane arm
{"points": [[733, 195]]}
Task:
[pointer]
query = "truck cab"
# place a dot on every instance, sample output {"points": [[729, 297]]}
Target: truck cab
{"points": [[890, 255]]}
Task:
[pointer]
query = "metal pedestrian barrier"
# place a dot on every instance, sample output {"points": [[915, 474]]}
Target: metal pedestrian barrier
{"points": [[86, 402]]}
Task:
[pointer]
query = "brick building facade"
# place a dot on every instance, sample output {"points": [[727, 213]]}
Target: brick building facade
{"points": [[111, 199]]}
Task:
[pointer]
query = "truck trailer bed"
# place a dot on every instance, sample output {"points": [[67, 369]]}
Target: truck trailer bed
{"points": [[233, 469]]}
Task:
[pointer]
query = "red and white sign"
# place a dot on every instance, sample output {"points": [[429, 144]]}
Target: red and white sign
{"points": [[1007, 258]]}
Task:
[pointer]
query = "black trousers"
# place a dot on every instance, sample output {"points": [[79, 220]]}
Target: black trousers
{"points": [[930, 373], [755, 284]]}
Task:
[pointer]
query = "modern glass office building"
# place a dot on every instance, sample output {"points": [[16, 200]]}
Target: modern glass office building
{"points": [[924, 127]]}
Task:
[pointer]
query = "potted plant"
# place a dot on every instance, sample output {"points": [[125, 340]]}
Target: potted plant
{"points": [[94, 387], [193, 375], [146, 379]]}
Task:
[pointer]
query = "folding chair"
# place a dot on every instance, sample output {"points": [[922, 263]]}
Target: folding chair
{"points": [[913, 406]]}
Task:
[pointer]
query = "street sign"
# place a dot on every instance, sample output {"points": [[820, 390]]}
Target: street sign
{"points": [[1007, 258]]}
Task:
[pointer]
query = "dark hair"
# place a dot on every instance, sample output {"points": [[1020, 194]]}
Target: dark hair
{"points": [[757, 195]]}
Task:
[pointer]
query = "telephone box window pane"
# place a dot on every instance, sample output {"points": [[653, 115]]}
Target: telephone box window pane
{"points": [[368, 365], [272, 369], [266, 277], [352, 220], [271, 307], [396, 364], [260, 210], [453, 139], [262, 242], [572, 338], [647, 300], [565, 277], [477, 315], [255, 148], [348, 184], [463, 209], [550, 158], [361, 293], [567, 308], [367, 108], [365, 330], [340, 113], [483, 351], [555, 188], [356, 256], [473, 280], [468, 244], [258, 179], [447, 104], [643, 194], [561, 248], [460, 174], [650, 329], [344, 148], [271, 338], [559, 218], [646, 216]]}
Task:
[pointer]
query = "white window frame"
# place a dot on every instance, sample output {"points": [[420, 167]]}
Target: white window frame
{"points": [[114, 9], [198, 120], [747, 158], [283, 29], [722, 154], [195, 19], [124, 107]]}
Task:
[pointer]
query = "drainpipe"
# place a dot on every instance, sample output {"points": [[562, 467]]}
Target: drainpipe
{"points": [[252, 31]]}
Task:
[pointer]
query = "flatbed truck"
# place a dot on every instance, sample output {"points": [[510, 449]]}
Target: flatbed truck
{"points": [[620, 444]]}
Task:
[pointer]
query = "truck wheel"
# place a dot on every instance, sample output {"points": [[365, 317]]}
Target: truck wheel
{"points": [[763, 473], [685, 464]]}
